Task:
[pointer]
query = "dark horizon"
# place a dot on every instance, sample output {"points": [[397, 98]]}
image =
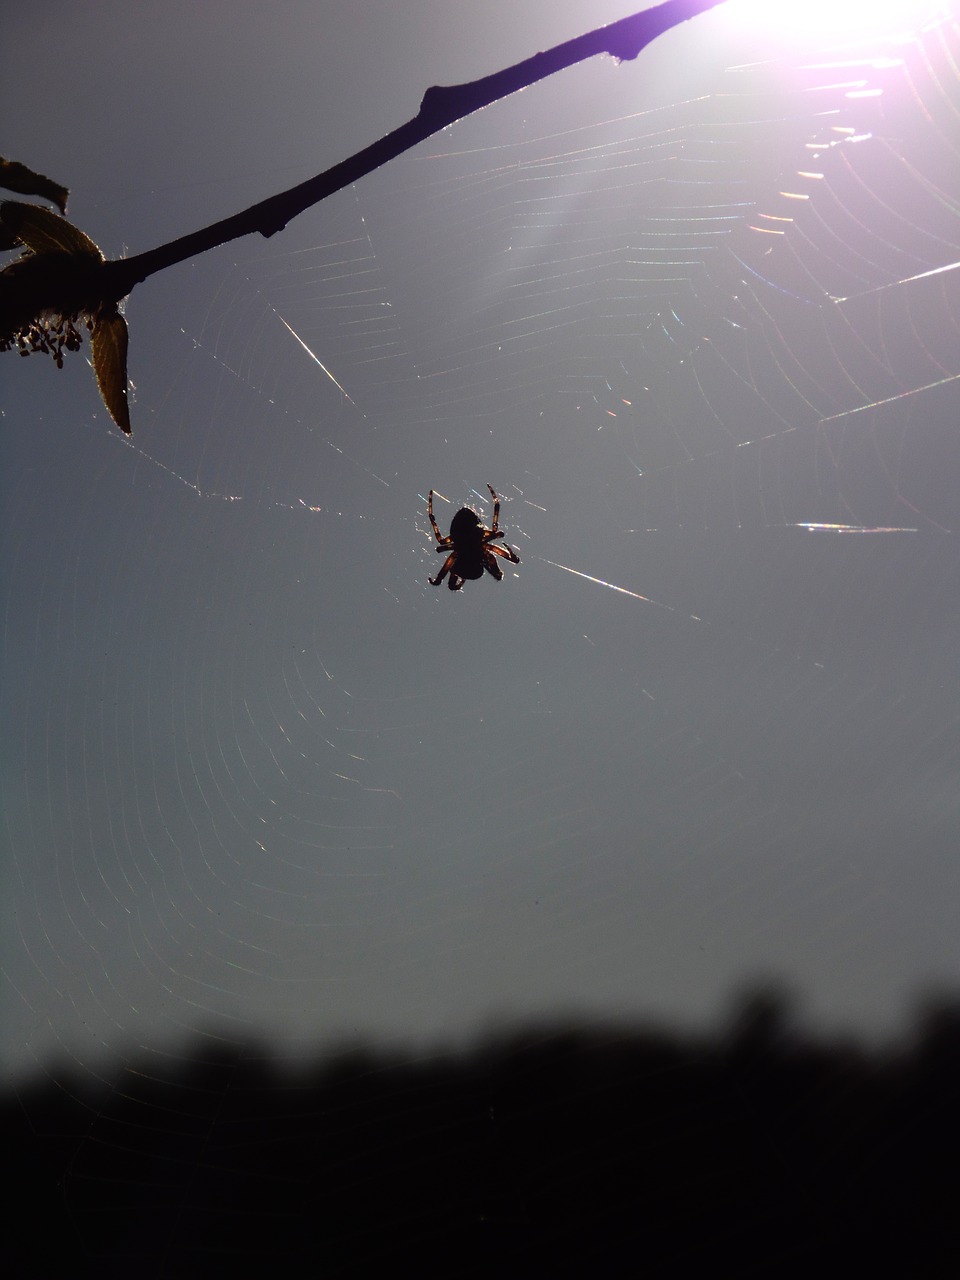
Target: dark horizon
{"points": [[537, 1152]]}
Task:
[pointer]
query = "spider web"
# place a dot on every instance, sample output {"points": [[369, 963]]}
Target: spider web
{"points": [[262, 780]]}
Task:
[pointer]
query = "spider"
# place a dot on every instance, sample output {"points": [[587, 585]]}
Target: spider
{"points": [[470, 546]]}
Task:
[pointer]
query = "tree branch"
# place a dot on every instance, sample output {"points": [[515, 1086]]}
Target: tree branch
{"points": [[441, 106], [62, 279]]}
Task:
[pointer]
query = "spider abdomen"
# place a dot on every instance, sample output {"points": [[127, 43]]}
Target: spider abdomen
{"points": [[466, 527]]}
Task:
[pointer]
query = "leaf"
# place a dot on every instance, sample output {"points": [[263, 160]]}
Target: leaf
{"points": [[44, 231], [109, 343], [15, 176]]}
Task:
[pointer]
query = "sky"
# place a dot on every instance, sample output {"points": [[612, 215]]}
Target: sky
{"points": [[695, 318]]}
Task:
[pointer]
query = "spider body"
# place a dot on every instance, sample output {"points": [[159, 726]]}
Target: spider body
{"points": [[470, 546]]}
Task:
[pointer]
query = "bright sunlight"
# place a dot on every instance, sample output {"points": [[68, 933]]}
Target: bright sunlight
{"points": [[847, 19]]}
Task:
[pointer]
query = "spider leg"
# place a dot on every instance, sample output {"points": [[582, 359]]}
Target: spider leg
{"points": [[508, 553], [448, 564], [433, 522], [490, 534], [491, 566], [496, 509]]}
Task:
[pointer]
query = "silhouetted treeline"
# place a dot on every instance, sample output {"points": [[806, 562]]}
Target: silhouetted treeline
{"points": [[758, 1152]]}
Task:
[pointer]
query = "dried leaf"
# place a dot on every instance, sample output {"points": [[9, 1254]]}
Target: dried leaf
{"points": [[15, 176], [109, 343], [44, 231]]}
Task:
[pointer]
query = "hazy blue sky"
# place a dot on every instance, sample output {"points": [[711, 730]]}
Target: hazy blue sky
{"points": [[257, 774]]}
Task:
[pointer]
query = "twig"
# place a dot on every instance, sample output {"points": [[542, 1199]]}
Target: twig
{"points": [[441, 106]]}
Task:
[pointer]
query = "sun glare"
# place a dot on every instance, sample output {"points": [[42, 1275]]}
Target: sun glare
{"points": [[829, 19]]}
